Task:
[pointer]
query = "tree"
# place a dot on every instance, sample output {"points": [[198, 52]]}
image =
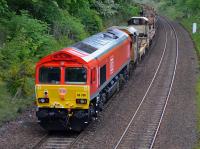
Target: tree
{"points": [[27, 41], [4, 12]]}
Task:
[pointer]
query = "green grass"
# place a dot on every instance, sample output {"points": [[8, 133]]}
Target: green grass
{"points": [[9, 108], [198, 111], [187, 23]]}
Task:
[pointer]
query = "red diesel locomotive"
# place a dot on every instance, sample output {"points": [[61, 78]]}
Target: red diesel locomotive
{"points": [[73, 84]]}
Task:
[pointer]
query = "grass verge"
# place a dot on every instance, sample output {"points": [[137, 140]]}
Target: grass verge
{"points": [[10, 109], [187, 23], [198, 111]]}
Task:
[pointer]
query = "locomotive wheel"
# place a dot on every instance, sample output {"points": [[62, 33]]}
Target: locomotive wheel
{"points": [[80, 120], [121, 80], [101, 104]]}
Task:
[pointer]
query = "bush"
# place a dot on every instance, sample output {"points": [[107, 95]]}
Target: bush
{"points": [[19, 79], [69, 26], [128, 10], [3, 8], [90, 18], [106, 8], [27, 41]]}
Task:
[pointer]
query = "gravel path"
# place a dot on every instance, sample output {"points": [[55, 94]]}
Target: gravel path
{"points": [[21, 133]]}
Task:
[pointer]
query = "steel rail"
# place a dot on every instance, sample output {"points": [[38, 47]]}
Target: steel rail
{"points": [[40, 142], [107, 104], [171, 85], [146, 93]]}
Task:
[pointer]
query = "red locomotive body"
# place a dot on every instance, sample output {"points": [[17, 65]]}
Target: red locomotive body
{"points": [[73, 84]]}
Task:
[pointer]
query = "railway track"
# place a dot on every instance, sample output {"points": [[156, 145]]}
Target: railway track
{"points": [[144, 136], [57, 140], [62, 140]]}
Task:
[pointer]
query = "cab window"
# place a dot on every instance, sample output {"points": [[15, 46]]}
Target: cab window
{"points": [[49, 75], [75, 75], [136, 21]]}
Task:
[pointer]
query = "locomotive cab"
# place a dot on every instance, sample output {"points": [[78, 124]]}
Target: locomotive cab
{"points": [[140, 24], [62, 88], [133, 33]]}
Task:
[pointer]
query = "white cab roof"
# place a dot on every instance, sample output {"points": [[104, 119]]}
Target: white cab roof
{"points": [[130, 29], [144, 18]]}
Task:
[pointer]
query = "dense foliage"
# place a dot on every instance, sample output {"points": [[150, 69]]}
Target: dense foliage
{"points": [[31, 29], [176, 8], [185, 11]]}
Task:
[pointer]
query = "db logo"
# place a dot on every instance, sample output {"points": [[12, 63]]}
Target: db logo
{"points": [[62, 91]]}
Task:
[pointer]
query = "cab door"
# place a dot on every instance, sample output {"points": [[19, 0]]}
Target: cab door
{"points": [[136, 48], [93, 81]]}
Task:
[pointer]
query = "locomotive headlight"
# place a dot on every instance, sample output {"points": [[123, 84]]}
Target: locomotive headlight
{"points": [[43, 100], [81, 101]]}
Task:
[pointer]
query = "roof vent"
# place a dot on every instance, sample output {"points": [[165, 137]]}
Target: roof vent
{"points": [[85, 47], [110, 35]]}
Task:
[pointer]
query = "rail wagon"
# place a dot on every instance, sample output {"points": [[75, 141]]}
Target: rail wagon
{"points": [[146, 30], [134, 35], [73, 84]]}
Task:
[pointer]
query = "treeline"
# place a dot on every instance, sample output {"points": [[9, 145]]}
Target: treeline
{"points": [[31, 29], [179, 8]]}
